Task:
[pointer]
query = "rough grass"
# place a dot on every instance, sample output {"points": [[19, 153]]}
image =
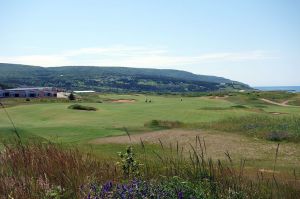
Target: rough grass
{"points": [[295, 102], [276, 128], [34, 170], [277, 96], [163, 124], [38, 170], [253, 98], [258, 152], [10, 102]]}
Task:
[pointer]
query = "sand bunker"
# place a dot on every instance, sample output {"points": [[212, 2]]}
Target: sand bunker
{"points": [[267, 171], [277, 113], [123, 101], [219, 97]]}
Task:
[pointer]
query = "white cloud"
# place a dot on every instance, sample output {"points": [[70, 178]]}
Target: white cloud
{"points": [[133, 56], [39, 60], [242, 56], [115, 50]]}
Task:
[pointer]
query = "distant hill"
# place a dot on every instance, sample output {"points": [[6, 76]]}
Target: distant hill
{"points": [[112, 79]]}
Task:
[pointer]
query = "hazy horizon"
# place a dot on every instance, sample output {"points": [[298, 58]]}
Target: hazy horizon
{"points": [[255, 42]]}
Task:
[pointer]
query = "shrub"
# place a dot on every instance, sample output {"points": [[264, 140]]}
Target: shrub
{"points": [[130, 166], [239, 106], [71, 97], [164, 124], [277, 136], [82, 107]]}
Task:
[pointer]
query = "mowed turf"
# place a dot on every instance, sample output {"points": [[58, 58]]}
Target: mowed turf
{"points": [[56, 122]]}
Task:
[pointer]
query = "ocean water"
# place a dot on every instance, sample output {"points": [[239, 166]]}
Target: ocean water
{"points": [[279, 88]]}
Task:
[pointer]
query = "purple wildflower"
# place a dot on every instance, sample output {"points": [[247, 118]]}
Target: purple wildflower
{"points": [[180, 195]]}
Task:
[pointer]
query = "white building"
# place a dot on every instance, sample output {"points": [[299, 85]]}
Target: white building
{"points": [[88, 91]]}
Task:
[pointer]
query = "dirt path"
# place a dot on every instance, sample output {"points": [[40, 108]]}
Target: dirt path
{"points": [[217, 143], [285, 103]]}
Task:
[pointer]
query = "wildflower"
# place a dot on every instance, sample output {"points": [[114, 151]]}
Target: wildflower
{"points": [[180, 195]]}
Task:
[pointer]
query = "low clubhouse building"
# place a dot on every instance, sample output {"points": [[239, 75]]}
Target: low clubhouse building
{"points": [[35, 92]]}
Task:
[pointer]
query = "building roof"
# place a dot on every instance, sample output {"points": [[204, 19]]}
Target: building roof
{"points": [[32, 88], [89, 91]]}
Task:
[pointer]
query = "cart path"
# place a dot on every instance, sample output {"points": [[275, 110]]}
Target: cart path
{"points": [[285, 103]]}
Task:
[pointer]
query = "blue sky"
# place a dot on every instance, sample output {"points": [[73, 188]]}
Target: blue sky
{"points": [[256, 42]]}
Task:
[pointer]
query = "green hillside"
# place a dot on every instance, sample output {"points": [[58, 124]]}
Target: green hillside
{"points": [[113, 79]]}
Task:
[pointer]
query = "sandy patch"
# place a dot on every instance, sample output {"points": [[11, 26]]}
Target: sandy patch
{"points": [[123, 101], [218, 97], [150, 137], [267, 171], [277, 113], [217, 143]]}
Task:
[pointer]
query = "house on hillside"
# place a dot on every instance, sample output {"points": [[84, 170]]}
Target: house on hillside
{"points": [[39, 92], [1, 93]]}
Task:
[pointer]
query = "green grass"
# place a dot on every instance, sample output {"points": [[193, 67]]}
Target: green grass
{"points": [[54, 121], [239, 114], [50, 120]]}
